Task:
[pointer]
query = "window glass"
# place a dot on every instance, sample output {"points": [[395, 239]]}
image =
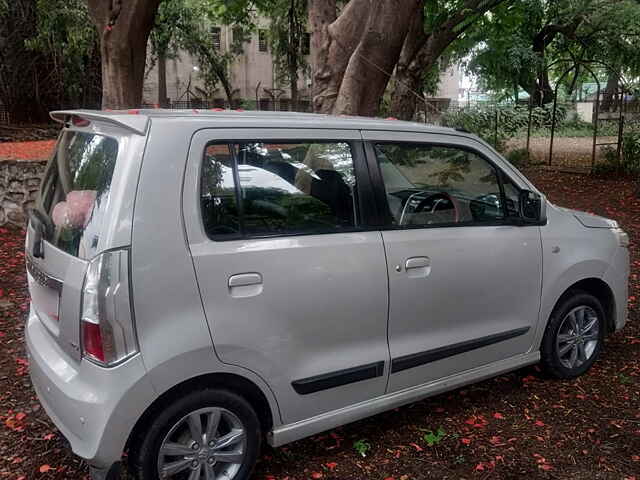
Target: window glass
{"points": [[216, 37], [436, 185], [218, 195], [512, 195], [262, 40], [282, 188], [77, 190]]}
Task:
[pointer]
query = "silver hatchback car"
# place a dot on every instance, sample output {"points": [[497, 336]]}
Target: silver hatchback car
{"points": [[203, 280]]}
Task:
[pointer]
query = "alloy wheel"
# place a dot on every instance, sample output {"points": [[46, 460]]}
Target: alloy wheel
{"points": [[578, 336], [208, 444]]}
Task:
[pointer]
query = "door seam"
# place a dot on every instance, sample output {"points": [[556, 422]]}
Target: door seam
{"points": [[386, 261]]}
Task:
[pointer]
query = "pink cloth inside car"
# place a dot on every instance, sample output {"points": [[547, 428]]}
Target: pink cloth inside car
{"points": [[75, 211]]}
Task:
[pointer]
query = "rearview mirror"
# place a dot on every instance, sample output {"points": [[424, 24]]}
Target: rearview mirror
{"points": [[533, 208]]}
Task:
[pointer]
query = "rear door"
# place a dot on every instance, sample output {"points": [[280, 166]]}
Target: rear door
{"points": [[85, 204], [294, 286], [464, 279]]}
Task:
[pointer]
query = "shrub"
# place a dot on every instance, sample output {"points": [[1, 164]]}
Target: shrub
{"points": [[629, 161], [518, 157], [511, 120]]}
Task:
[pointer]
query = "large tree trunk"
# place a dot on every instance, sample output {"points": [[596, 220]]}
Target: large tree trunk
{"points": [[608, 94], [543, 92], [124, 29], [406, 88], [293, 85], [409, 79], [333, 40], [372, 63]]}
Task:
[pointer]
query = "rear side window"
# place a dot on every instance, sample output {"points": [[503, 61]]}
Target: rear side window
{"points": [[76, 190], [284, 188]]}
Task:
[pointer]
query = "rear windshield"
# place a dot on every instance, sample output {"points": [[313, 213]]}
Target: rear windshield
{"points": [[75, 193]]}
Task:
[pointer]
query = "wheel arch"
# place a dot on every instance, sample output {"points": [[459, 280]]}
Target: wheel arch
{"points": [[223, 380], [599, 289]]}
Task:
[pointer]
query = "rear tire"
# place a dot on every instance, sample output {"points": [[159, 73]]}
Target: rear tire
{"points": [[208, 434], [574, 336]]}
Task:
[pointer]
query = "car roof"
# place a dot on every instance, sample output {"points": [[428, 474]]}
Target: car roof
{"points": [[138, 119]]}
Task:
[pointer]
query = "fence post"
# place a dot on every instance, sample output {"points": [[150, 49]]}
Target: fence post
{"points": [[495, 127], [620, 136]]}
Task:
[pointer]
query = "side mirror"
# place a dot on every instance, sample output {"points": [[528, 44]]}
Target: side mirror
{"points": [[533, 207]]}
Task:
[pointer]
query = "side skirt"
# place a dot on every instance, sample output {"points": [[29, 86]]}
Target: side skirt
{"points": [[326, 421]]}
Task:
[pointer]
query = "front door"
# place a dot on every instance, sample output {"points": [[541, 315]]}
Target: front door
{"points": [[464, 280], [294, 288]]}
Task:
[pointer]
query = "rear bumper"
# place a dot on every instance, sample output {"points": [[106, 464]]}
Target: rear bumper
{"points": [[94, 408], [617, 277]]}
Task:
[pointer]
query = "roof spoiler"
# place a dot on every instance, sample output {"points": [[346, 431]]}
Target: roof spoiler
{"points": [[133, 122]]}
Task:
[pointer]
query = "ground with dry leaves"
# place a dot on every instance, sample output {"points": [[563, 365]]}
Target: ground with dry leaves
{"points": [[519, 425]]}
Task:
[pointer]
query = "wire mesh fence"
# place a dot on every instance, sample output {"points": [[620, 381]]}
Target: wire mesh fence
{"points": [[4, 115], [266, 104], [574, 135]]}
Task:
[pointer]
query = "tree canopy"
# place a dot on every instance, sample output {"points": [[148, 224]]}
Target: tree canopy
{"points": [[529, 44], [361, 51]]}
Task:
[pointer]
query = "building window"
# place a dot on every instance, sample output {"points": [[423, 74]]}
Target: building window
{"points": [[238, 35], [262, 40], [215, 37], [306, 43]]}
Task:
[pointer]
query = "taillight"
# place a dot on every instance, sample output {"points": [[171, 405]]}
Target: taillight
{"points": [[92, 341], [106, 323]]}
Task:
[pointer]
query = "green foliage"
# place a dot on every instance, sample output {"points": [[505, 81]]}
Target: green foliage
{"points": [[497, 123], [625, 379], [629, 162], [631, 152], [362, 447], [434, 438], [527, 40], [287, 35], [67, 37]]}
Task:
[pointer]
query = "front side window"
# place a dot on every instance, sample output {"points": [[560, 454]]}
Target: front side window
{"points": [[437, 185], [263, 189]]}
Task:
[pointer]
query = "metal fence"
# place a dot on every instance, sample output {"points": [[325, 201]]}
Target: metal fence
{"points": [[266, 104], [569, 141], [4, 115]]}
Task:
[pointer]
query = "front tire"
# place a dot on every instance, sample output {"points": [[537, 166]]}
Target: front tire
{"points": [[574, 336], [208, 434]]}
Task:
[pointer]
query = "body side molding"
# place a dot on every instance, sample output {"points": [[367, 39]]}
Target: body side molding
{"points": [[416, 359], [325, 381]]}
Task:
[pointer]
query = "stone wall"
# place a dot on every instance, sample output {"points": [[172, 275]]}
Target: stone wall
{"points": [[19, 184]]}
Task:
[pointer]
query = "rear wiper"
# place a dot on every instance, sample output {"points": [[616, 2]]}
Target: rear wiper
{"points": [[40, 224]]}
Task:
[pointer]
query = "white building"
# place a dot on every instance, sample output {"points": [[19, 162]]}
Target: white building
{"points": [[253, 75]]}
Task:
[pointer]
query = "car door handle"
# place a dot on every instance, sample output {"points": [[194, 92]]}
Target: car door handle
{"points": [[417, 262], [245, 285], [417, 267]]}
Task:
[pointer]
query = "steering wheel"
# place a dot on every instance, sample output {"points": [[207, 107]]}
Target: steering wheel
{"points": [[433, 204]]}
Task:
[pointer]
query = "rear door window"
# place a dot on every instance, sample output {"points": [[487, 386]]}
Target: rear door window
{"points": [[263, 189], [76, 189]]}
